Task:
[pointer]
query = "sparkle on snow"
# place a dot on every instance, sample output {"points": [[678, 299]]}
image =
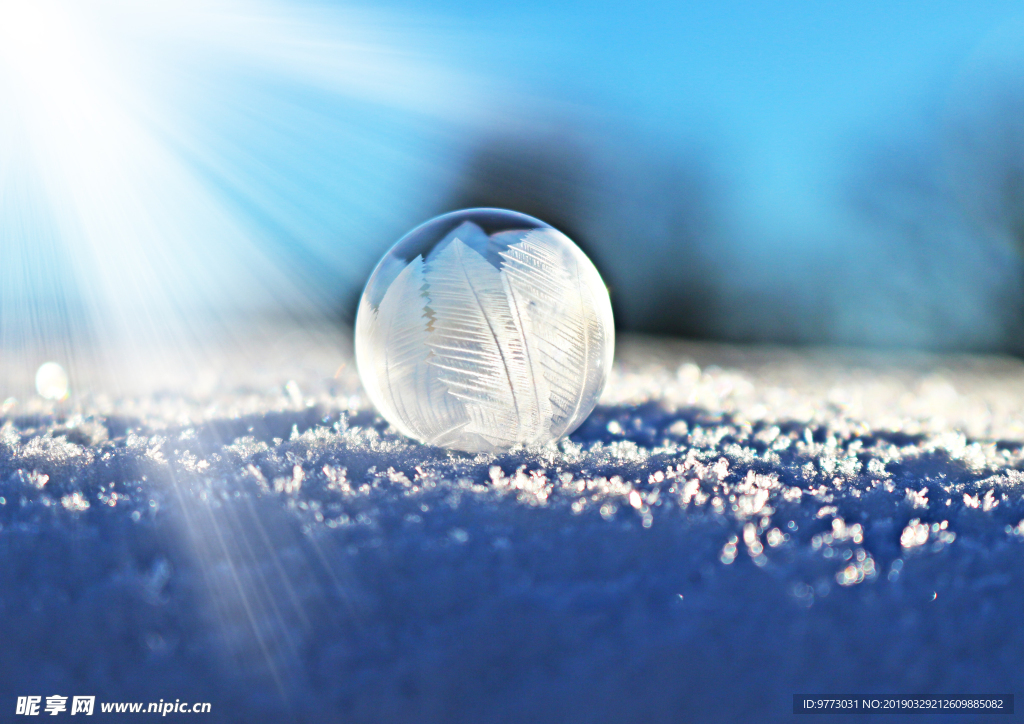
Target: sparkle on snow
{"points": [[248, 532]]}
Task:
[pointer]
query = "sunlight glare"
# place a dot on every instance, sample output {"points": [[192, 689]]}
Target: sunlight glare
{"points": [[135, 233], [52, 381]]}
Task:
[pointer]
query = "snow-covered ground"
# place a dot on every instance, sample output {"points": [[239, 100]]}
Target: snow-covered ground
{"points": [[730, 527]]}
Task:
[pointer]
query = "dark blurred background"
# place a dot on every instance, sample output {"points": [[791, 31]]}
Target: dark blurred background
{"points": [[799, 174], [795, 172]]}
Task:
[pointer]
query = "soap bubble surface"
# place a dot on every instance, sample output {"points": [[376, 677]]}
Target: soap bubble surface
{"points": [[484, 329]]}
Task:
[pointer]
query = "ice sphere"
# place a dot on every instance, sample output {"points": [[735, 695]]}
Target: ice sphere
{"points": [[484, 329]]}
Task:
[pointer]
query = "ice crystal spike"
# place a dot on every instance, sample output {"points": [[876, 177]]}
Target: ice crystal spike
{"points": [[484, 329]]}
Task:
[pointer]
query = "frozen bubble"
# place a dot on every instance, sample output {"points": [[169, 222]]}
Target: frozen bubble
{"points": [[484, 329], [52, 381]]}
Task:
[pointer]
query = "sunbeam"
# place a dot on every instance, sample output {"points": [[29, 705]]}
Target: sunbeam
{"points": [[162, 165]]}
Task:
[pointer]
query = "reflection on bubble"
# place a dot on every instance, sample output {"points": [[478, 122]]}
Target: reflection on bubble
{"points": [[52, 381]]}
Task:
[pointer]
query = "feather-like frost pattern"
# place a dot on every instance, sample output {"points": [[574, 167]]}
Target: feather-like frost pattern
{"points": [[566, 329], [489, 341], [480, 346], [534, 426], [469, 234], [406, 384]]}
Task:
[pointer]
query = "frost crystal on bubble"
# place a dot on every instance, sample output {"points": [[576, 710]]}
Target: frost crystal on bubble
{"points": [[482, 330]]}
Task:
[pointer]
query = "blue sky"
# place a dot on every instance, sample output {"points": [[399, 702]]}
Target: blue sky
{"points": [[292, 143], [782, 95]]}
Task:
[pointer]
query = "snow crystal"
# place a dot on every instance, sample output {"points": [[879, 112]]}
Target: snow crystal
{"points": [[773, 517]]}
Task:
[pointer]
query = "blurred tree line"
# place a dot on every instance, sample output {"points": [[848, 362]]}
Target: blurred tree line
{"points": [[930, 257]]}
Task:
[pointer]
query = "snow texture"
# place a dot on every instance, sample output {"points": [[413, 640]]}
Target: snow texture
{"points": [[729, 527]]}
